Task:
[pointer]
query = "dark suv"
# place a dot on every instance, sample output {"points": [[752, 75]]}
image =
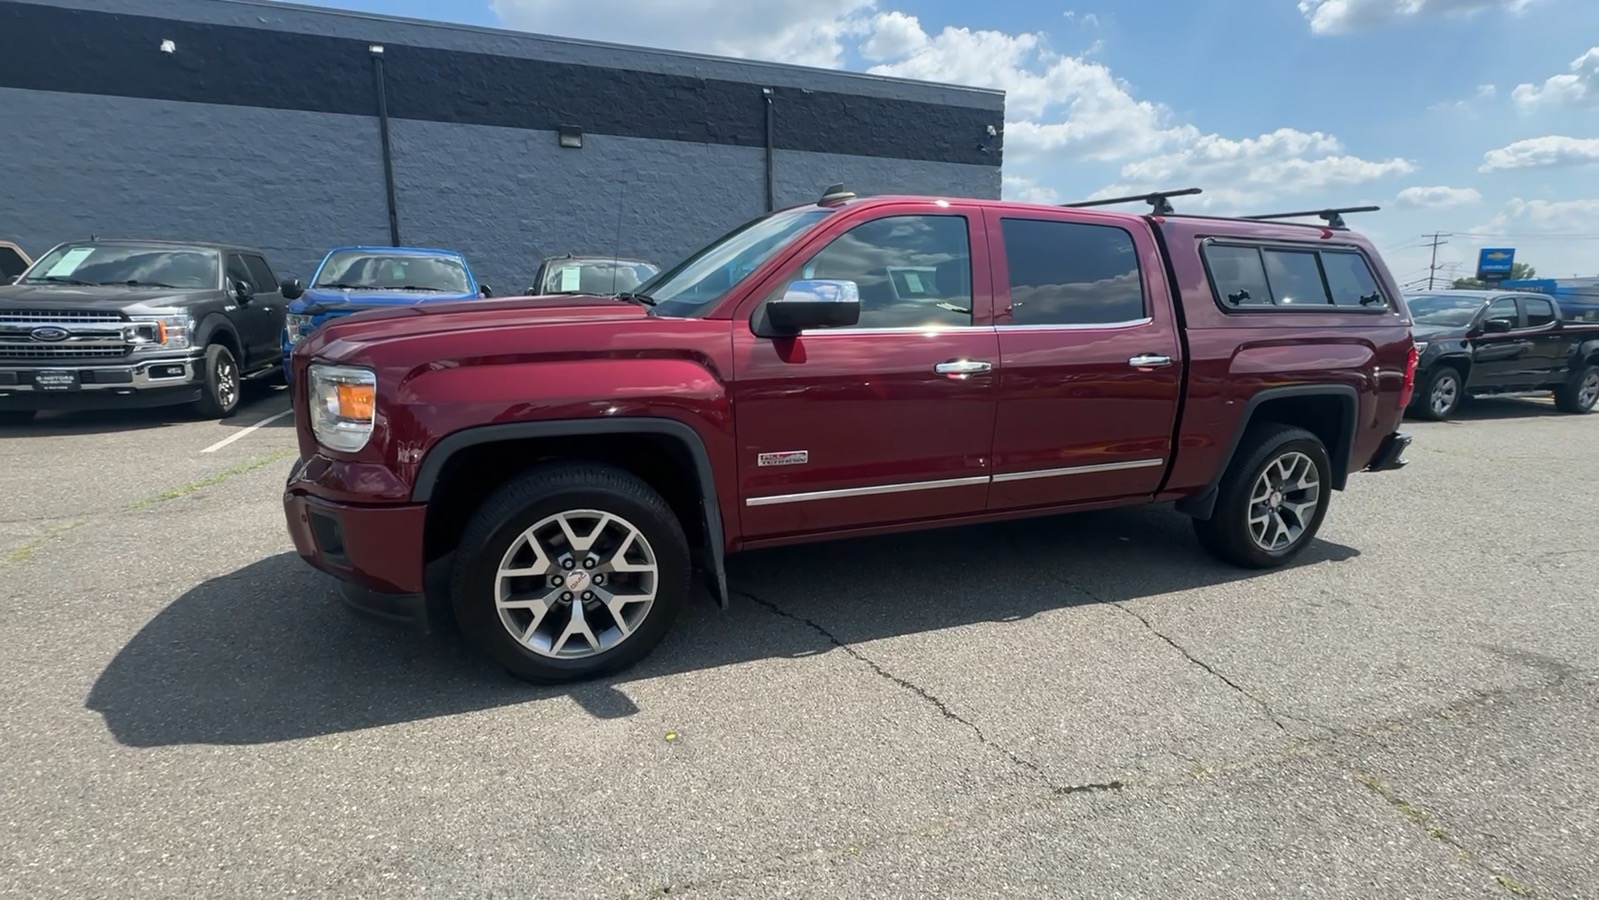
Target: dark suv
{"points": [[105, 324]]}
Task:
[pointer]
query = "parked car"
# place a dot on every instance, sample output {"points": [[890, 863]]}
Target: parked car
{"points": [[351, 279], [1479, 342], [571, 274], [104, 324], [547, 471], [13, 262]]}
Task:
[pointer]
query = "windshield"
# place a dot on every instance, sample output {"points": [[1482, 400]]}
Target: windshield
{"points": [[364, 271], [137, 265], [595, 276], [697, 283], [1444, 310]]}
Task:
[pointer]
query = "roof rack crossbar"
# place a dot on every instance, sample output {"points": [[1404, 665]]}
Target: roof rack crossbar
{"points": [[1160, 201], [1333, 217]]}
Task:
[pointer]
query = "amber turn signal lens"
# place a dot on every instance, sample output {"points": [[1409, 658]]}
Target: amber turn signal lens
{"points": [[355, 400]]}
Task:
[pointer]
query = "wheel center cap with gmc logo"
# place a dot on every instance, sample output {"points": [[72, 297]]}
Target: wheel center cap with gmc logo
{"points": [[577, 581], [48, 333]]}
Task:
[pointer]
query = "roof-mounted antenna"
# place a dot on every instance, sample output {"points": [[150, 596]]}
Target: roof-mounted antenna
{"points": [[1333, 217], [836, 193], [1159, 201]]}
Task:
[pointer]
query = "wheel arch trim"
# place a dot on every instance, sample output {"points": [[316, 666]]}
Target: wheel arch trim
{"points": [[432, 467], [1201, 504]]}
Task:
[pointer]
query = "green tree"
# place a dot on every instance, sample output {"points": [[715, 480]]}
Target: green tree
{"points": [[1518, 271]]}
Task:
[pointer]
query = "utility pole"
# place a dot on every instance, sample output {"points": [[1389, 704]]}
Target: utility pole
{"points": [[1432, 267]]}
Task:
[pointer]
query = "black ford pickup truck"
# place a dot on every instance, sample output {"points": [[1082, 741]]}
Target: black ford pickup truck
{"points": [[1481, 342], [107, 324]]}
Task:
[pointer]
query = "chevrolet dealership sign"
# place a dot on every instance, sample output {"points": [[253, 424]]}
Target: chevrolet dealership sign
{"points": [[1495, 263]]}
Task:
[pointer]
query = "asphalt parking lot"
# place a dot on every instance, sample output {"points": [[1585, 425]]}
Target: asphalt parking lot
{"points": [[1085, 706]]}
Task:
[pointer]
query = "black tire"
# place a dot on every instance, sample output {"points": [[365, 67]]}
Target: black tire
{"points": [[221, 386], [1441, 395], [499, 524], [1227, 533], [14, 418], [1580, 393]]}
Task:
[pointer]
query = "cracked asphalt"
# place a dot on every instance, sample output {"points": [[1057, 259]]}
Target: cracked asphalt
{"points": [[1081, 706]]}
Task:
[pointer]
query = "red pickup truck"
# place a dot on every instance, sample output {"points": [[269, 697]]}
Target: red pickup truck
{"points": [[549, 472]]}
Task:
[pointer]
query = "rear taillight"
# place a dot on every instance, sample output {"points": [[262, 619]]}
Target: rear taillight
{"points": [[1409, 388]]}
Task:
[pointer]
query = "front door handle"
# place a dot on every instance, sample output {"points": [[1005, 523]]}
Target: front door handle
{"points": [[1149, 361], [960, 368]]}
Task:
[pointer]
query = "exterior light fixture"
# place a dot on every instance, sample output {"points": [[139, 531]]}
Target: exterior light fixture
{"points": [[571, 136], [169, 46], [375, 49]]}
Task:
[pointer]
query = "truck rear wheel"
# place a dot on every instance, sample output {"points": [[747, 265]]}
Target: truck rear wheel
{"points": [[570, 572], [1441, 395], [1271, 501], [1581, 393]]}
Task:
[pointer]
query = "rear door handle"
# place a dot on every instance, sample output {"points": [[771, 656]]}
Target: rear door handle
{"points": [[1149, 361], [963, 367]]}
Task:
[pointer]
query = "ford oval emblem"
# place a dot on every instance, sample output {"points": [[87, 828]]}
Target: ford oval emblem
{"points": [[48, 333]]}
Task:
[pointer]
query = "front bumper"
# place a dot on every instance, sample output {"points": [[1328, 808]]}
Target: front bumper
{"points": [[76, 385], [375, 551], [1391, 453]]}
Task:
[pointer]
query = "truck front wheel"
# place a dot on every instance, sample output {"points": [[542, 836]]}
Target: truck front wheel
{"points": [[1271, 501], [570, 572], [219, 387]]}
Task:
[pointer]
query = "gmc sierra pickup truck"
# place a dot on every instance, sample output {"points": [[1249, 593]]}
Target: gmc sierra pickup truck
{"points": [[549, 472], [1475, 343]]}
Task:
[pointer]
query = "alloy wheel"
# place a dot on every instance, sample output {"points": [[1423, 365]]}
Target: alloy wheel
{"points": [[1588, 393], [227, 383], [576, 584], [1284, 501], [1444, 394]]}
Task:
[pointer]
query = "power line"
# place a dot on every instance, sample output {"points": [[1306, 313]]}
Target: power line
{"points": [[1432, 267]]}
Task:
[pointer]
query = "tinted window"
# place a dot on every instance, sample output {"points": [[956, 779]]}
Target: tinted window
{"points": [[238, 271], [1295, 278], [1239, 275], [265, 281], [1504, 308], [11, 262], [912, 270], [1068, 273], [1539, 312], [178, 267], [1350, 280]]}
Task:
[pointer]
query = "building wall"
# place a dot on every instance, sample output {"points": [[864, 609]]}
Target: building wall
{"points": [[260, 128]]}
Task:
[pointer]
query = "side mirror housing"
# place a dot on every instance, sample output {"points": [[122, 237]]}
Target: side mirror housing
{"points": [[242, 291], [485, 290], [815, 303], [1495, 326], [292, 289]]}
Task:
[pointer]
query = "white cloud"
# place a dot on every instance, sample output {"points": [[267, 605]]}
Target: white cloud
{"points": [[1061, 109], [1546, 217], [1026, 190], [805, 32], [1345, 16], [1579, 87], [1436, 197], [1486, 91], [1541, 153]]}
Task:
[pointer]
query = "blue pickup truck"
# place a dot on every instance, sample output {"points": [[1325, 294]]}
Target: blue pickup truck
{"points": [[352, 279]]}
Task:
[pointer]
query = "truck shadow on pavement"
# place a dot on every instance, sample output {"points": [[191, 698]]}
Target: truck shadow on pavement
{"points": [[267, 654]]}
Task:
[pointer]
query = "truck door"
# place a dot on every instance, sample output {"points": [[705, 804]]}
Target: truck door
{"points": [[1499, 358], [1089, 359], [1552, 347], [890, 420]]}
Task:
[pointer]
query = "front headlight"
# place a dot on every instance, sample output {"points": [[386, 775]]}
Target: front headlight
{"points": [[343, 399], [1421, 347], [161, 332], [295, 326]]}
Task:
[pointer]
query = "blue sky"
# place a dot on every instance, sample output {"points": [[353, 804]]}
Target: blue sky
{"points": [[1475, 117]]}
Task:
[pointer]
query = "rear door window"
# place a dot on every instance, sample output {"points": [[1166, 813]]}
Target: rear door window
{"points": [[1540, 312], [1071, 273]]}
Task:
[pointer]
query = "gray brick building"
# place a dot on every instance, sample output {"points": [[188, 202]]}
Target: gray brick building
{"points": [[259, 122]]}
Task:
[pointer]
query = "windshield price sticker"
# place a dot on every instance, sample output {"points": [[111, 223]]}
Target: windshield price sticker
{"points": [[571, 277], [69, 262]]}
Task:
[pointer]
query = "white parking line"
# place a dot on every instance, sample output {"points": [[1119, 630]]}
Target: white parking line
{"points": [[242, 432]]}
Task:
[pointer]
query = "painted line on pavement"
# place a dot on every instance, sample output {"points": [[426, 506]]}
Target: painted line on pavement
{"points": [[233, 437]]}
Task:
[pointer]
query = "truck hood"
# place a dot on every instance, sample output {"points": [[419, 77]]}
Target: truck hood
{"points": [[330, 298], [343, 336], [110, 299], [1436, 332]]}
